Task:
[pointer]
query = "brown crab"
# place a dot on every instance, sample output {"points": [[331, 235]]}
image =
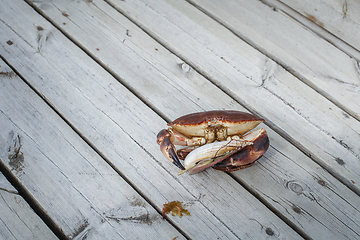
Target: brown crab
{"points": [[221, 137]]}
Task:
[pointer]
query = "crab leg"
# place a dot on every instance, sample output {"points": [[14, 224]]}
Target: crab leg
{"points": [[167, 138], [164, 138], [182, 140], [248, 156]]}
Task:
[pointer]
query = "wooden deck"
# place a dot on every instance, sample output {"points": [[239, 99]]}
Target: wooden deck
{"points": [[86, 86]]}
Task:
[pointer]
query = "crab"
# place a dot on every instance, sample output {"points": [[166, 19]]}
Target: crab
{"points": [[218, 139]]}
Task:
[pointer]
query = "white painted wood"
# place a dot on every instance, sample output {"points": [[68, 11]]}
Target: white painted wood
{"points": [[124, 130], [285, 178], [17, 219], [5, 185], [340, 17], [313, 26], [75, 187], [298, 112], [313, 59]]}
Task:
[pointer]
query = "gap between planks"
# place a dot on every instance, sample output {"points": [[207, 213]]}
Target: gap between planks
{"points": [[311, 25], [53, 227], [103, 65], [234, 96], [24, 193], [34, 204], [327, 36]]}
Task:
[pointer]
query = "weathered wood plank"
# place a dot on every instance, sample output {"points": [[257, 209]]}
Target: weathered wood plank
{"points": [[299, 113], [312, 25], [75, 187], [340, 17], [124, 130], [315, 61], [290, 182], [17, 219]]}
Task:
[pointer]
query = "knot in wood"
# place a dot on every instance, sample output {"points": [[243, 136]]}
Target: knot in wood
{"points": [[295, 187]]}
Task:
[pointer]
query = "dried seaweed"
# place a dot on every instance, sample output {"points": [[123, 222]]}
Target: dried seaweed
{"points": [[176, 209]]}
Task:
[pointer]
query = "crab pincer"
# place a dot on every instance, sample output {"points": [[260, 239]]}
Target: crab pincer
{"points": [[167, 147]]}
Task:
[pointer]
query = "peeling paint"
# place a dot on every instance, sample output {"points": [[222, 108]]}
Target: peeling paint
{"points": [[269, 71], [81, 231], [16, 157], [43, 36], [10, 74]]}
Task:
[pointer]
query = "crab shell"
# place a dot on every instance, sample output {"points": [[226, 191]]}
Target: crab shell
{"points": [[204, 128], [215, 125]]}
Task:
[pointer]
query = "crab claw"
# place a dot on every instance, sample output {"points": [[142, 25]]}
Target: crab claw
{"points": [[248, 156], [167, 148], [211, 154], [228, 155]]}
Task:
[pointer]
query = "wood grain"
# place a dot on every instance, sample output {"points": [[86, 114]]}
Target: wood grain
{"points": [[110, 77], [286, 179], [73, 185], [123, 130], [308, 56], [340, 17], [17, 219], [327, 133]]}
